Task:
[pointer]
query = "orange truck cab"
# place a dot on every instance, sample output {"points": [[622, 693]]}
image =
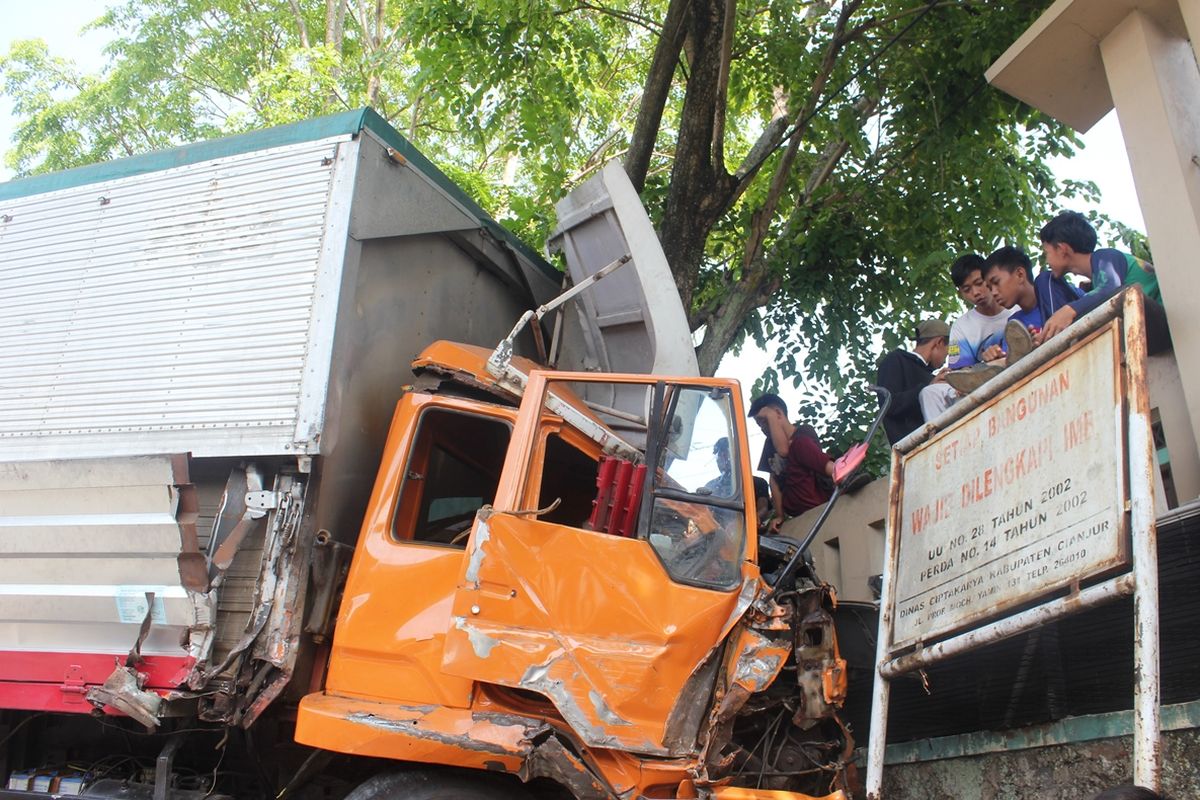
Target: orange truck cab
{"points": [[553, 588], [569, 602]]}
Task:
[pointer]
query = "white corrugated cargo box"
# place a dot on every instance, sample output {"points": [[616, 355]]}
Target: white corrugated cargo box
{"points": [[253, 298], [190, 308]]}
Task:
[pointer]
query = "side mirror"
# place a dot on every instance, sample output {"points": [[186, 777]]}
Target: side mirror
{"points": [[845, 467], [849, 463]]}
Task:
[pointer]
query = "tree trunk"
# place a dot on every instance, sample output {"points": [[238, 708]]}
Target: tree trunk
{"points": [[739, 300], [655, 92], [700, 189]]}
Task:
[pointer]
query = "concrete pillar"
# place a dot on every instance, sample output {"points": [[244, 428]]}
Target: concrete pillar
{"points": [[1168, 402], [1191, 18], [1155, 86]]}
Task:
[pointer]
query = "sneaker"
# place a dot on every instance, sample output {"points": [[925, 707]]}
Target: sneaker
{"points": [[970, 379], [1019, 342]]}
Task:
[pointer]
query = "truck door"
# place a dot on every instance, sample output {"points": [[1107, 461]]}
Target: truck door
{"points": [[633, 320], [617, 620]]}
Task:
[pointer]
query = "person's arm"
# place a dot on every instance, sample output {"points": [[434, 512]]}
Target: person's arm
{"points": [[779, 437], [891, 377], [777, 505], [1107, 277]]}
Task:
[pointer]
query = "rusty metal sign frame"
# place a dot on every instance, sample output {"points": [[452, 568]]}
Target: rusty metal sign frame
{"points": [[917, 628], [1141, 581]]}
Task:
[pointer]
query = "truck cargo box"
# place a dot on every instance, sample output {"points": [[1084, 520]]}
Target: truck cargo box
{"points": [[203, 350], [237, 314]]}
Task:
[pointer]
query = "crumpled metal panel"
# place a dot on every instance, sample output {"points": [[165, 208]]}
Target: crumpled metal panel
{"points": [[82, 541], [820, 669], [757, 660], [166, 312], [586, 619], [428, 734]]}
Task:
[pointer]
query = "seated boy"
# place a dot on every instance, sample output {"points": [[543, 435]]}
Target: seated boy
{"points": [[1069, 243], [794, 457], [1009, 274], [975, 337]]}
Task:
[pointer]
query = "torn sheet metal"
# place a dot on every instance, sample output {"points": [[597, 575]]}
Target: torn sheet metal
{"points": [[691, 707], [123, 690], [753, 663], [550, 758], [758, 660], [523, 745], [554, 679], [260, 663], [614, 658], [485, 733], [479, 538], [820, 670]]}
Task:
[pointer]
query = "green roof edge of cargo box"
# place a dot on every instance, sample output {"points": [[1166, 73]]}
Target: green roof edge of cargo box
{"points": [[347, 122]]}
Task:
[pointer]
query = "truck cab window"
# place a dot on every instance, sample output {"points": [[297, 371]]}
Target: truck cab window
{"points": [[697, 518], [568, 476], [453, 469]]}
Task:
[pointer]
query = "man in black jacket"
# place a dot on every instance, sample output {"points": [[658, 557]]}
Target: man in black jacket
{"points": [[905, 373]]}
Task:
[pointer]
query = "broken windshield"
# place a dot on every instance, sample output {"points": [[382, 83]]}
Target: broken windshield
{"points": [[696, 523]]}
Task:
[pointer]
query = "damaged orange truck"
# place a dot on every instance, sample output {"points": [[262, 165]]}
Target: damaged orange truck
{"points": [[553, 589]]}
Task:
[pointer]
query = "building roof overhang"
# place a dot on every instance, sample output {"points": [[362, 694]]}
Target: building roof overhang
{"points": [[1056, 65]]}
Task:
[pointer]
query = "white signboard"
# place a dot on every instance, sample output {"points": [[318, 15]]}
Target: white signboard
{"points": [[1017, 499]]}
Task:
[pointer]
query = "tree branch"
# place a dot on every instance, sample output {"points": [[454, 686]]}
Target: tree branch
{"points": [[625, 16], [760, 220], [719, 111], [301, 25], [655, 91], [335, 22], [873, 23]]}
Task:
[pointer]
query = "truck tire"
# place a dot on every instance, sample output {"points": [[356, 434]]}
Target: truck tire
{"points": [[435, 785]]}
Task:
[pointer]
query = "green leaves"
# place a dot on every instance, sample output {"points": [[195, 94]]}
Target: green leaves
{"points": [[904, 158]]}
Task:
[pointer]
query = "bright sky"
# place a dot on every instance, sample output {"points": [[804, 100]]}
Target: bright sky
{"points": [[59, 22]]}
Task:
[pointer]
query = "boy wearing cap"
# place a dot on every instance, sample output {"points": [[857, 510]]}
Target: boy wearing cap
{"points": [[905, 373]]}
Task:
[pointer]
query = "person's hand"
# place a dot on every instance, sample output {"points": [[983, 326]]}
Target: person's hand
{"points": [[992, 353], [773, 527], [940, 375], [1059, 321]]}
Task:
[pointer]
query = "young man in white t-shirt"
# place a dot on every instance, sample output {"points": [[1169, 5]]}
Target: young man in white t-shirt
{"points": [[975, 337]]}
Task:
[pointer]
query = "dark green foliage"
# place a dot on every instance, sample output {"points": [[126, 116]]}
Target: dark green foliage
{"points": [[904, 157]]}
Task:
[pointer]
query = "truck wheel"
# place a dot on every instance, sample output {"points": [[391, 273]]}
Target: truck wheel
{"points": [[433, 785]]}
